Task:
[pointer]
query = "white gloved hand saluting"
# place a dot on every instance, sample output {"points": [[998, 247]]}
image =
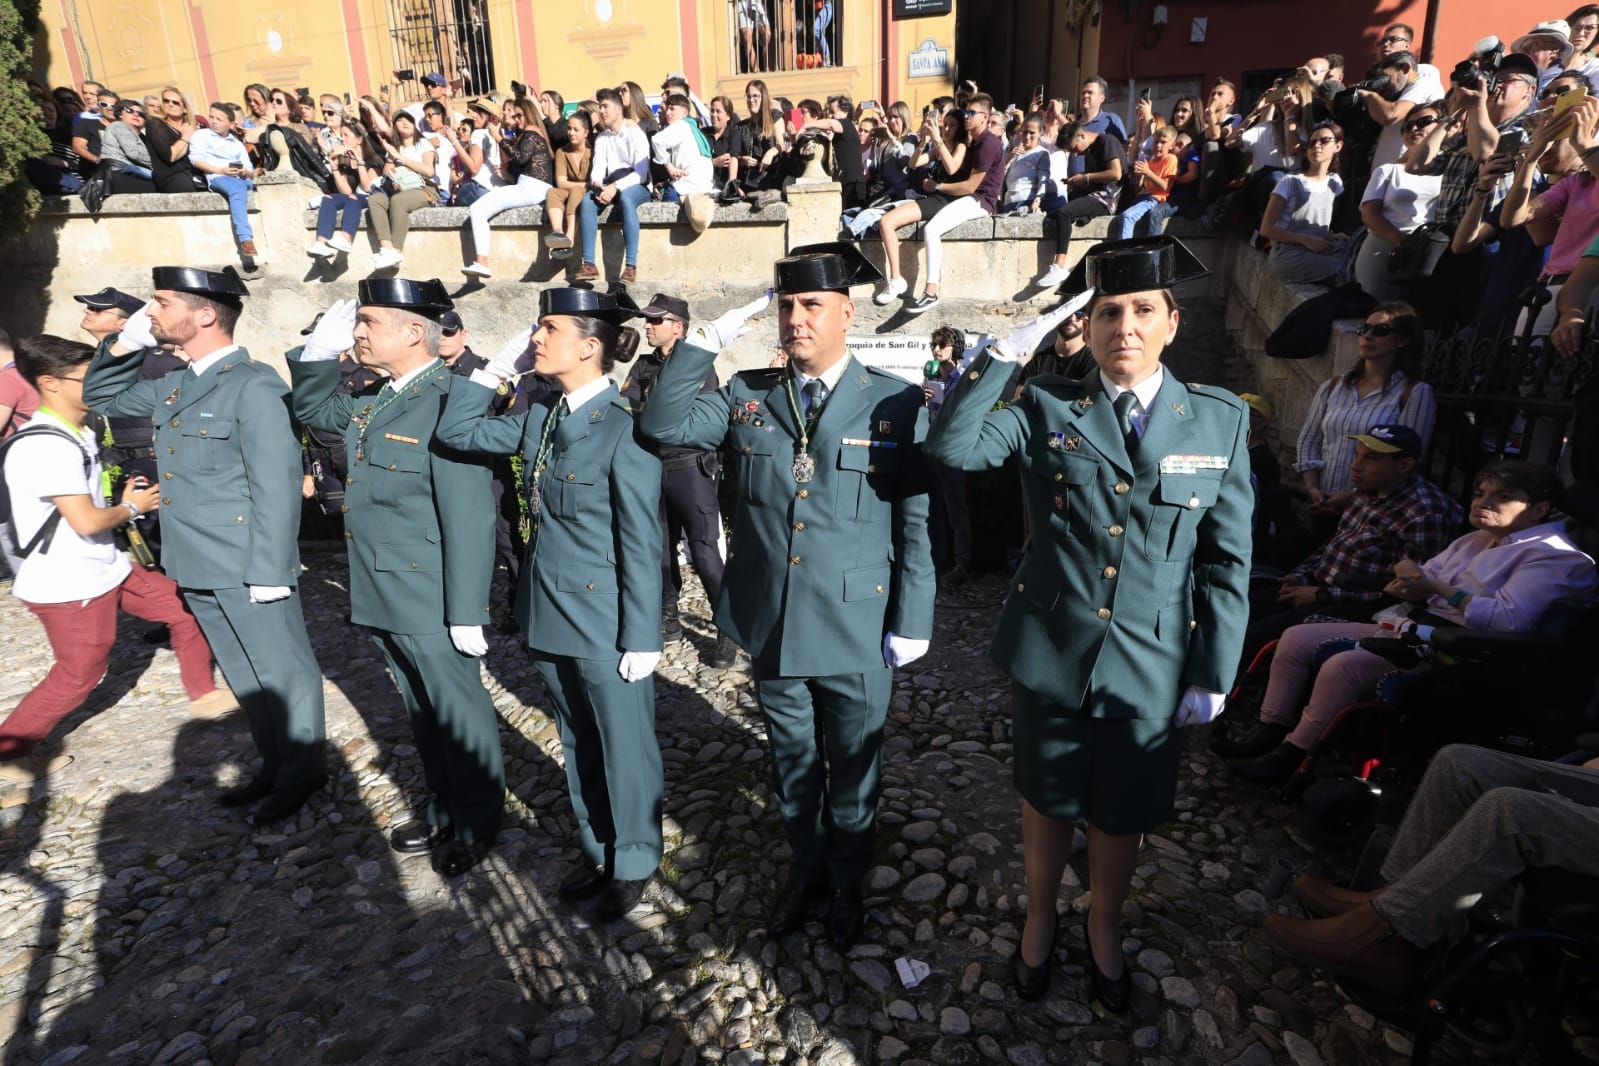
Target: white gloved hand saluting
{"points": [[899, 651], [504, 363], [637, 665], [1019, 346], [469, 640], [1199, 706], [723, 331], [136, 334], [334, 333], [269, 593]]}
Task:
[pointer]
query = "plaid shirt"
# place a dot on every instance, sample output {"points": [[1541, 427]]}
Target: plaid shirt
{"points": [[1459, 169], [1416, 522]]}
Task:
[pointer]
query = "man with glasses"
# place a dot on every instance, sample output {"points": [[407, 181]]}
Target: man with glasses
{"points": [[689, 510], [88, 130], [1405, 86]]}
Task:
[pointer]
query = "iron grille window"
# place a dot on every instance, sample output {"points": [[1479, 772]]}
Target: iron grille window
{"points": [[785, 34], [448, 36]]}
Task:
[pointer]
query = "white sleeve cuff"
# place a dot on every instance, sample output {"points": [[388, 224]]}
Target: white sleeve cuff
{"points": [[484, 378]]}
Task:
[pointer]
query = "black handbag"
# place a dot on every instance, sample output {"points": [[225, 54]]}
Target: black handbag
{"points": [[1419, 254], [97, 188]]}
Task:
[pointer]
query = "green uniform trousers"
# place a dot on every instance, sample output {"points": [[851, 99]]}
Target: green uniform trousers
{"points": [[456, 729], [266, 657], [613, 761], [826, 734]]}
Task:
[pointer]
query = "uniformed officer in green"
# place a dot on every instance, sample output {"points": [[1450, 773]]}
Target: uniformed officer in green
{"points": [[229, 467], [590, 596], [1126, 616], [419, 527], [829, 580]]}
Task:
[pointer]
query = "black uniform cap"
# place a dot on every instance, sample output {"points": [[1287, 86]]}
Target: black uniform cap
{"points": [[586, 303], [426, 298], [829, 267], [1139, 264], [223, 285]]}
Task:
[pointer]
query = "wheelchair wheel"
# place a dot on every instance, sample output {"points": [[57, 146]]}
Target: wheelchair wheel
{"points": [[1491, 1022], [1338, 814]]}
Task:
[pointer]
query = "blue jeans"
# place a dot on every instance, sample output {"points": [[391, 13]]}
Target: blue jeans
{"points": [[467, 193], [335, 205], [588, 221], [824, 19], [237, 190], [1147, 216]]}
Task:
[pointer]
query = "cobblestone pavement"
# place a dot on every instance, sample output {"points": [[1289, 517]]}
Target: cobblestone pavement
{"points": [[142, 923]]}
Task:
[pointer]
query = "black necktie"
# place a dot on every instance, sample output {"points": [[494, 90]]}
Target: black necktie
{"points": [[1124, 418], [813, 404]]}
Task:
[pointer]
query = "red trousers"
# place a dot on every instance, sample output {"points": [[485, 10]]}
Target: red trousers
{"points": [[81, 634]]}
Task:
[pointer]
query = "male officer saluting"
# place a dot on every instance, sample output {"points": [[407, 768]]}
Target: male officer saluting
{"points": [[421, 554], [230, 480], [830, 576], [689, 510]]}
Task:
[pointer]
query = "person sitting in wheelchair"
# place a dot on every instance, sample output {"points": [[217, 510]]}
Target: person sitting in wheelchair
{"points": [[1504, 575], [1479, 820]]}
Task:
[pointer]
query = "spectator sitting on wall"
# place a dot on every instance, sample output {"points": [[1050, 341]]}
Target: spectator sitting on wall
{"points": [[1092, 115], [970, 192], [1026, 170], [222, 158], [356, 166], [1146, 216], [434, 116], [258, 108], [408, 167], [1396, 203], [619, 175], [123, 146], [572, 165], [1548, 45], [552, 106], [1184, 198], [1299, 214], [1403, 88], [848, 163], [56, 172], [87, 132], [437, 88], [529, 168], [767, 138], [893, 162], [1141, 144], [476, 146], [676, 83], [1268, 143], [729, 141], [1215, 121], [169, 139], [1092, 192], [682, 149]]}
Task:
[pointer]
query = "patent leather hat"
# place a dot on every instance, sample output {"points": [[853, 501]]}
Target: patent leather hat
{"points": [[426, 298], [224, 284], [1112, 268], [586, 303], [829, 267]]}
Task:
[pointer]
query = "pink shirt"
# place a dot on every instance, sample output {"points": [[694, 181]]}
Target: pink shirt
{"points": [[1575, 201], [18, 395]]}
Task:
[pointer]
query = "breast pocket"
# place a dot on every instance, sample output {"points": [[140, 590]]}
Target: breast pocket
{"points": [[868, 481], [1180, 505], [756, 454], [396, 476], [207, 444], [570, 485], [1067, 485]]}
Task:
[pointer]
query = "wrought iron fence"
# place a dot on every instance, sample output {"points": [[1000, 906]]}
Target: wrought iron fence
{"points": [[1513, 396], [450, 37], [784, 34]]}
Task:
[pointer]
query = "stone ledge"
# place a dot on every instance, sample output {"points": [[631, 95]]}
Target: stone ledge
{"points": [[655, 213], [145, 203]]}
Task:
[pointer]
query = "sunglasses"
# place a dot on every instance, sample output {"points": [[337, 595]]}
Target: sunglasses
{"points": [[329, 114], [1394, 40], [1377, 329], [1420, 123], [654, 320], [971, 113], [134, 111], [169, 100], [1324, 140], [448, 332], [1555, 94]]}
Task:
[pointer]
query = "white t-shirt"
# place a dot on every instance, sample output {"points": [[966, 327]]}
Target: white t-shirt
{"points": [[682, 144], [75, 568], [443, 161], [1424, 90], [488, 175], [1264, 146], [1406, 198]]}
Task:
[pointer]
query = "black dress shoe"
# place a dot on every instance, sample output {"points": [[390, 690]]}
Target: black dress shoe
{"points": [[1114, 995], [725, 655], [583, 881], [286, 801], [1256, 741], [846, 918], [455, 857], [246, 793], [1033, 981], [417, 835], [793, 908], [618, 897], [1272, 768]]}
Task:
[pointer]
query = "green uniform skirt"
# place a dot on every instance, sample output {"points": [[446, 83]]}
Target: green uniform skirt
{"points": [[1117, 774]]}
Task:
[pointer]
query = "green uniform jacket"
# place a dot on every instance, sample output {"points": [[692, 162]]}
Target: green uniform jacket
{"points": [[228, 463], [591, 583], [1135, 580], [419, 517], [816, 572]]}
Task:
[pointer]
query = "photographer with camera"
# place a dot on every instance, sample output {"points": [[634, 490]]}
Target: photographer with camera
{"points": [[1400, 84]]}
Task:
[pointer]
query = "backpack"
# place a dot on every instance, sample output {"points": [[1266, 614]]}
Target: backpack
{"points": [[41, 540]]}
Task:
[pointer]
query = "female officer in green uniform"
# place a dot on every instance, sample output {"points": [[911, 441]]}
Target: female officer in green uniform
{"points": [[590, 596], [1126, 616]]}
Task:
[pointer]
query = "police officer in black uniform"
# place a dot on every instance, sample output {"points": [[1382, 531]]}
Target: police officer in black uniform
{"points": [[688, 480]]}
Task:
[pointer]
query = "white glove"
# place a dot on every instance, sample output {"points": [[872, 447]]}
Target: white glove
{"points": [[334, 333], [469, 640], [899, 651], [730, 327], [269, 593], [136, 335], [1020, 345], [637, 665], [503, 365], [1199, 706]]}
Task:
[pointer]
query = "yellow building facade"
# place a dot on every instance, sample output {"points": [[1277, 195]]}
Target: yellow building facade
{"points": [[210, 49]]}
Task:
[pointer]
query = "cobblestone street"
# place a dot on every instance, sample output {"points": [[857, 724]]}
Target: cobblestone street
{"points": [[142, 923]]}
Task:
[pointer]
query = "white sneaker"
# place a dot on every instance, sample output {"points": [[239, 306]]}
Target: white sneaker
{"points": [[892, 291], [477, 270], [322, 250], [340, 243], [387, 257], [1055, 275]]}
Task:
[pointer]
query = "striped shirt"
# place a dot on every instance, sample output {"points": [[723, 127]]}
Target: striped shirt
{"points": [[1339, 410]]}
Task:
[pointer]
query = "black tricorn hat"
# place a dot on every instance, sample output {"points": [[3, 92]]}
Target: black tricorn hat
{"points": [[1135, 265], [426, 298], [224, 284], [586, 303], [829, 267]]}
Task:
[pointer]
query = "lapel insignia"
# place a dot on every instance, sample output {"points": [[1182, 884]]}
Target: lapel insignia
{"points": [[170, 400], [752, 406], [1086, 402], [1073, 443], [402, 440], [862, 379], [1177, 409], [226, 367], [1057, 441], [596, 414], [739, 416], [885, 427]]}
